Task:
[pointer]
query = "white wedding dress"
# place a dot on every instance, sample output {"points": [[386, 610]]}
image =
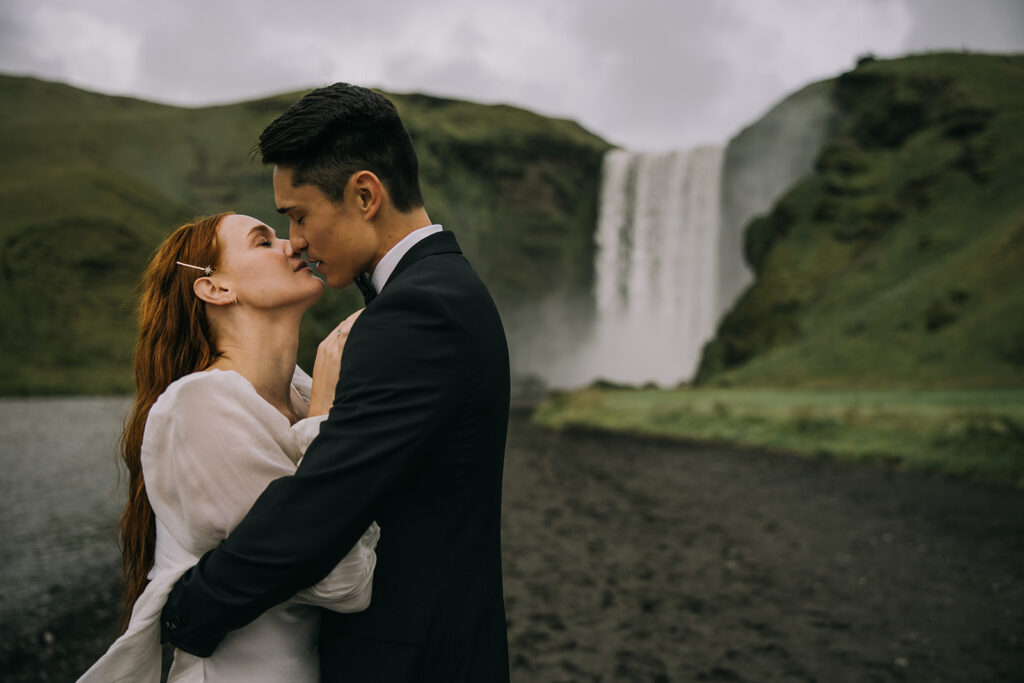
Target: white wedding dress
{"points": [[211, 445]]}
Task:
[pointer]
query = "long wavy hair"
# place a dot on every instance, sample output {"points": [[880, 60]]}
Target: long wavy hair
{"points": [[174, 340]]}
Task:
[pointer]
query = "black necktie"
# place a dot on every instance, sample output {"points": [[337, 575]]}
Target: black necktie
{"points": [[365, 285]]}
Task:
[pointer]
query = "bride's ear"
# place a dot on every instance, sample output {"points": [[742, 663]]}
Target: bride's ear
{"points": [[212, 293]]}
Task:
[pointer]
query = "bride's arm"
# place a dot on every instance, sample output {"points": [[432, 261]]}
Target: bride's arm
{"points": [[212, 450], [208, 452]]}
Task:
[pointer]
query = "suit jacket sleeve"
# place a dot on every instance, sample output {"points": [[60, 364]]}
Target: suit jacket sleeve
{"points": [[399, 383]]}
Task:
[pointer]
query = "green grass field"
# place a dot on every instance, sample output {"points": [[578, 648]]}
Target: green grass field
{"points": [[93, 183], [973, 433]]}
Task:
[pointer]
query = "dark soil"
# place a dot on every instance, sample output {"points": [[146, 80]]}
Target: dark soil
{"points": [[648, 560]]}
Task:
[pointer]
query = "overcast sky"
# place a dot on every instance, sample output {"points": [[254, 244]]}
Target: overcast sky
{"points": [[645, 74]]}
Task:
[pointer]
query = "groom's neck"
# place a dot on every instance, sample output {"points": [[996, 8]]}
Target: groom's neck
{"points": [[395, 226]]}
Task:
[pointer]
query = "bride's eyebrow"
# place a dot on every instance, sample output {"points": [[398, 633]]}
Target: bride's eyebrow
{"points": [[261, 229]]}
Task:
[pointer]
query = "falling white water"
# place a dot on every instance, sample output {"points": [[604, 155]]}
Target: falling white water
{"points": [[656, 265], [669, 260]]}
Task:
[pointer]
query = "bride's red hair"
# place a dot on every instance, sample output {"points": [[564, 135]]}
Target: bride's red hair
{"points": [[174, 340]]}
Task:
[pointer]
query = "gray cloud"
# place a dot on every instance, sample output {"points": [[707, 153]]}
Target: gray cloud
{"points": [[991, 26], [644, 74], [660, 67], [221, 57], [16, 50]]}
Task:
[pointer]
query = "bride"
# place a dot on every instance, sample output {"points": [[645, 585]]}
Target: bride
{"points": [[221, 410]]}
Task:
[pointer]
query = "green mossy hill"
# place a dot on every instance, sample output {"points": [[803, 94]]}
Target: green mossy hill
{"points": [[899, 261], [92, 183]]}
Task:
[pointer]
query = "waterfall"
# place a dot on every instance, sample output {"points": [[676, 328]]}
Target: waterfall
{"points": [[669, 259], [656, 266]]}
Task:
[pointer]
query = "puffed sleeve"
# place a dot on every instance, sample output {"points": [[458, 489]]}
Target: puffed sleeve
{"points": [[211, 446], [349, 586]]}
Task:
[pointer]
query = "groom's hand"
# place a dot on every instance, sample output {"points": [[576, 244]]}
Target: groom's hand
{"points": [[174, 624], [328, 366]]}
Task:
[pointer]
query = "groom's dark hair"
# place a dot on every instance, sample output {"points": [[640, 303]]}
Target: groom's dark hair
{"points": [[337, 130]]}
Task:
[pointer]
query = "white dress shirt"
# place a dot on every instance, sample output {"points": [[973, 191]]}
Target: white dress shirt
{"points": [[390, 261]]}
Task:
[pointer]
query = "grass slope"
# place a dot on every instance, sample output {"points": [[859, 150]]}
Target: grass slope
{"points": [[897, 262], [975, 433], [92, 183]]}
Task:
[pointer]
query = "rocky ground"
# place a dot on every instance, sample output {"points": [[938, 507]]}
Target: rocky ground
{"points": [[647, 560]]}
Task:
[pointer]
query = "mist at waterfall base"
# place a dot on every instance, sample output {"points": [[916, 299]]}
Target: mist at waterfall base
{"points": [[668, 260], [656, 298]]}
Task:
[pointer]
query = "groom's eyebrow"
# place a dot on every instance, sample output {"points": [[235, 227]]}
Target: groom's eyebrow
{"points": [[284, 209]]}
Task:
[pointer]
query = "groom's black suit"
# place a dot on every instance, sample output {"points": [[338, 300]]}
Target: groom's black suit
{"points": [[416, 441]]}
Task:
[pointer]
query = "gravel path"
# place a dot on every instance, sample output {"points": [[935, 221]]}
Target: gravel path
{"points": [[646, 560]]}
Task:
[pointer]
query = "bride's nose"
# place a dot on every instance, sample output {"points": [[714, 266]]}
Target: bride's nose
{"points": [[288, 251]]}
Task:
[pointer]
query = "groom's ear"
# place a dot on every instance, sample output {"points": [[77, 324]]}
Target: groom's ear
{"points": [[212, 293], [368, 193]]}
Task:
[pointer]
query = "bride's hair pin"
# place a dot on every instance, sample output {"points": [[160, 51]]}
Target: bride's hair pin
{"points": [[206, 271]]}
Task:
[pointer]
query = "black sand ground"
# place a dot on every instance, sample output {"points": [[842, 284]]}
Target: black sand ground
{"points": [[644, 560]]}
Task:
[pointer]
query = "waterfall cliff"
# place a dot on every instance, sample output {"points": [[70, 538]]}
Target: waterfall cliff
{"points": [[761, 163]]}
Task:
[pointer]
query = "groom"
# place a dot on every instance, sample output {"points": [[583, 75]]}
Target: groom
{"points": [[415, 438]]}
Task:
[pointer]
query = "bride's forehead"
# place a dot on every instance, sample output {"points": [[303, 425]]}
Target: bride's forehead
{"points": [[238, 227]]}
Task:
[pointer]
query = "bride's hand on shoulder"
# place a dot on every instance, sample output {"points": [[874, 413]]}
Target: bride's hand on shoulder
{"points": [[328, 366]]}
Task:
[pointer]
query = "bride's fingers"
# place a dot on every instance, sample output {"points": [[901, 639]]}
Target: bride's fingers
{"points": [[345, 325], [352, 318], [328, 364]]}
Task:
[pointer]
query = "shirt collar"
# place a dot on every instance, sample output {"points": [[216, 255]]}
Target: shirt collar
{"points": [[387, 264]]}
